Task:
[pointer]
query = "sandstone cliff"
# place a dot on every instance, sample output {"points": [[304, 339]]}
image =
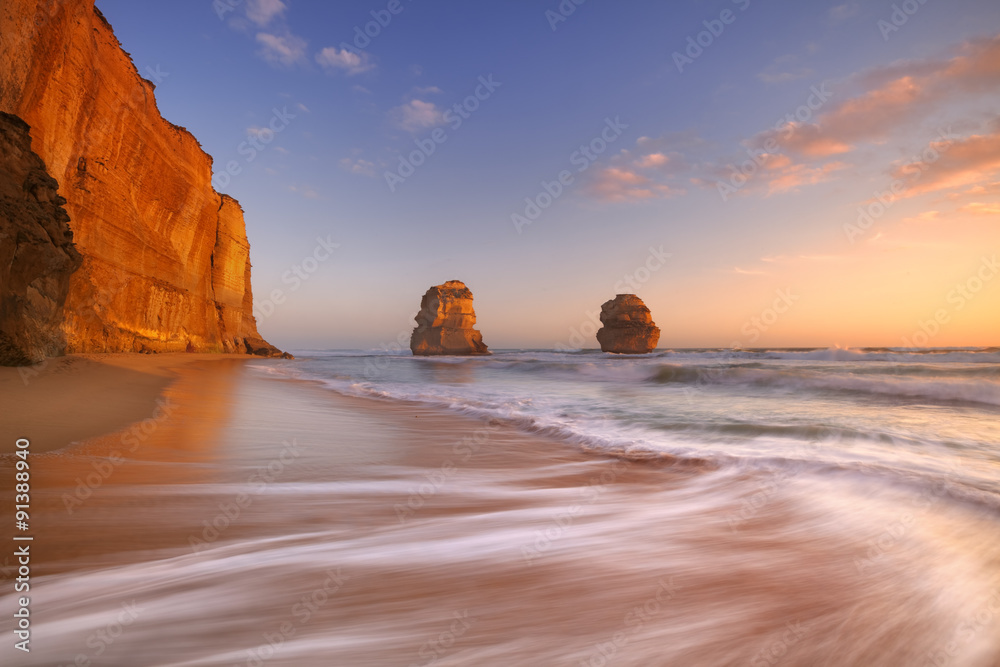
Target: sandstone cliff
{"points": [[445, 322], [165, 257], [37, 255], [628, 326]]}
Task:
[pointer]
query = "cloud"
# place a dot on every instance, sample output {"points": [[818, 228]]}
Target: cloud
{"points": [[302, 107], [620, 184], [417, 115], [286, 49], [305, 191], [359, 166], [895, 97], [925, 216], [653, 160], [788, 176], [844, 11], [262, 12], [426, 90], [332, 59], [981, 208], [749, 272], [952, 164], [784, 69]]}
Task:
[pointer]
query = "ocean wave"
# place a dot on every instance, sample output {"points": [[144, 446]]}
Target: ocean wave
{"points": [[946, 389]]}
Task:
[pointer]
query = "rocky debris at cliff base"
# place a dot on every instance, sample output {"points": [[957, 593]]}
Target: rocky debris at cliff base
{"points": [[445, 323], [37, 254], [628, 326], [261, 348]]}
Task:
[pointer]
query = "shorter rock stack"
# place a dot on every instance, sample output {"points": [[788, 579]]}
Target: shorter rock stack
{"points": [[445, 322], [628, 326]]}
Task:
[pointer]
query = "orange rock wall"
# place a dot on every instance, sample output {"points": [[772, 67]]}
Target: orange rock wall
{"points": [[166, 259]]}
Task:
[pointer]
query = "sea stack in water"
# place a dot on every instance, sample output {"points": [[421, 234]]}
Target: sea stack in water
{"points": [[445, 321], [628, 326]]}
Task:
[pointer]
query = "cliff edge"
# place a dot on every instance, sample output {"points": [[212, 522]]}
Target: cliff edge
{"points": [[165, 258]]}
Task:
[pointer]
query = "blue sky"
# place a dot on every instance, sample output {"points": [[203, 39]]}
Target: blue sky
{"points": [[877, 93]]}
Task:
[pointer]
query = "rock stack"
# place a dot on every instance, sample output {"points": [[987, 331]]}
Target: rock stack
{"points": [[628, 326], [445, 322]]}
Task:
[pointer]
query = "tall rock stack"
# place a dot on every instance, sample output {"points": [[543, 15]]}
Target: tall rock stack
{"points": [[166, 263], [628, 326], [445, 322]]}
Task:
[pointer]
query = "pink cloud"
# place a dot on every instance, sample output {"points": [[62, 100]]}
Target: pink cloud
{"points": [[619, 184], [950, 165]]}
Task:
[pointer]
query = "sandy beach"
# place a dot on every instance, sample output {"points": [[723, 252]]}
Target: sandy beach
{"points": [[249, 519], [79, 396]]}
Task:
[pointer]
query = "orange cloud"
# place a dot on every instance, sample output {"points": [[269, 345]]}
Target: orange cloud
{"points": [[898, 95], [948, 165], [619, 184], [981, 208], [653, 160], [793, 176]]}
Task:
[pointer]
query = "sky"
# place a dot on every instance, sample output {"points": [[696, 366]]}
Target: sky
{"points": [[760, 173]]}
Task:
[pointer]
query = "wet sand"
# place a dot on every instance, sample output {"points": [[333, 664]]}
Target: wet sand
{"points": [[264, 521], [80, 396]]}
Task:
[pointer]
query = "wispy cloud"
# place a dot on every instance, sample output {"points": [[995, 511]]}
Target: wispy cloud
{"points": [[845, 11], [621, 184], [896, 96], [333, 59], [417, 115], [358, 166], [286, 49], [955, 164], [262, 12], [783, 69], [981, 208]]}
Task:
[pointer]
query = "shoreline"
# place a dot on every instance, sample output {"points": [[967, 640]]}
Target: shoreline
{"points": [[79, 397]]}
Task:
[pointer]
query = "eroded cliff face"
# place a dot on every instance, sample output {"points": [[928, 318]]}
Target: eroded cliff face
{"points": [[37, 256], [165, 257]]}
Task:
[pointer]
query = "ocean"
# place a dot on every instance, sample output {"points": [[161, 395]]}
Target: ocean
{"points": [[689, 507], [919, 416]]}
